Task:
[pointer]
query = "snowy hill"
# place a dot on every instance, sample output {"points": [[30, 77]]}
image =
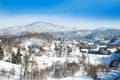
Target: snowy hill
{"points": [[61, 31], [49, 28], [105, 33], [36, 27]]}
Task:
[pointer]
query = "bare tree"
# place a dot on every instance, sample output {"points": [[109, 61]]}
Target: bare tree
{"points": [[91, 70]]}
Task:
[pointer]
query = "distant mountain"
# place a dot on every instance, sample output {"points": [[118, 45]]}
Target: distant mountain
{"points": [[103, 29], [58, 31], [75, 34], [100, 34], [36, 27]]}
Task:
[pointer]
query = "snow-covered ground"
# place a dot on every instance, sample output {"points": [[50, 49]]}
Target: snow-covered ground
{"points": [[46, 60], [9, 71]]}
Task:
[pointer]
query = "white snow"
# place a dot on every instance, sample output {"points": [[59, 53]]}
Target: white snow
{"points": [[7, 67]]}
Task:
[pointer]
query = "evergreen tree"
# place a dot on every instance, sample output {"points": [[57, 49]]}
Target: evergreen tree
{"points": [[14, 58], [18, 56], [56, 47], [69, 50], [1, 53], [112, 40]]}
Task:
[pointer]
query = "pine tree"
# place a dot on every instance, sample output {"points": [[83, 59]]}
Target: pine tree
{"points": [[56, 47], [112, 40], [18, 56], [69, 50], [14, 58], [1, 53]]}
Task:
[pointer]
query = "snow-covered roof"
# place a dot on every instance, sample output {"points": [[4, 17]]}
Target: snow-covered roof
{"points": [[45, 48], [116, 42]]}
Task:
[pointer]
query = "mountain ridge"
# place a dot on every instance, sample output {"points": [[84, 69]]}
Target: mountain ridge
{"points": [[36, 27], [60, 31]]}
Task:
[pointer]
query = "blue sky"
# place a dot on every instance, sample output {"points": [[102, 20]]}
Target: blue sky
{"points": [[95, 9]]}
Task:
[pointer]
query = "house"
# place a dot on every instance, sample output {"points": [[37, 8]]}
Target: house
{"points": [[115, 44]]}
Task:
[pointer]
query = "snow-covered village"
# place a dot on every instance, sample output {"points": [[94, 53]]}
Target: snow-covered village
{"points": [[59, 39], [41, 56]]}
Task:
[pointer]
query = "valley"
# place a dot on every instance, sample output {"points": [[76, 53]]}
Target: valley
{"points": [[45, 51]]}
